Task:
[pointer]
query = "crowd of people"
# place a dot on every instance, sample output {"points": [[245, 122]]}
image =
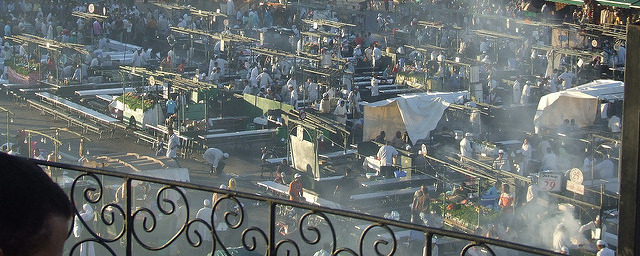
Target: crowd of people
{"points": [[517, 50]]}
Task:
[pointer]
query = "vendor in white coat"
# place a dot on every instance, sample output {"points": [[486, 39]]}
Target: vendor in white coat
{"points": [[213, 156], [205, 213], [341, 112], [374, 87], [172, 145], [594, 228], [87, 248], [502, 162], [603, 250], [466, 149]]}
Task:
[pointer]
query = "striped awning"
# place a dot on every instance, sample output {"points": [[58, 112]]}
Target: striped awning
{"points": [[569, 2], [621, 3]]}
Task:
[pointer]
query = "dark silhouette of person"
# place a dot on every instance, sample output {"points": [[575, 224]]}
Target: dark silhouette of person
{"points": [[35, 212]]}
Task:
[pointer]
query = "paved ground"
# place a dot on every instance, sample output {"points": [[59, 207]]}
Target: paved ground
{"points": [[241, 165]]}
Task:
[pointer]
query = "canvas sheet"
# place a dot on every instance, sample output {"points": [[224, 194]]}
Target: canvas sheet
{"points": [[418, 114], [579, 103], [303, 156]]}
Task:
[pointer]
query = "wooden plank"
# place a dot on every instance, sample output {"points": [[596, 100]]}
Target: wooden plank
{"points": [[76, 107], [375, 183], [381, 194], [237, 134]]}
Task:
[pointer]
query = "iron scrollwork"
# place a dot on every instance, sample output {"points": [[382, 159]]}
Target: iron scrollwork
{"points": [[231, 212], [93, 194], [377, 243], [475, 244]]}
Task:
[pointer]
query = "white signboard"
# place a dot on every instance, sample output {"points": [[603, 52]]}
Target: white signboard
{"points": [[575, 187], [575, 183], [550, 181]]}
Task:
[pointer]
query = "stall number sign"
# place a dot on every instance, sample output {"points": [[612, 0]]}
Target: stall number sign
{"points": [[550, 182], [575, 183]]}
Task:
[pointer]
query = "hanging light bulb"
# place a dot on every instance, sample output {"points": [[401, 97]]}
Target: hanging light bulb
{"points": [[44, 140], [69, 146], [11, 120], [87, 151]]}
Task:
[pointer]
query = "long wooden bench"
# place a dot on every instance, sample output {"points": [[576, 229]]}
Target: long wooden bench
{"points": [[377, 184], [270, 165], [238, 139], [383, 194], [57, 114], [143, 136], [309, 197], [72, 106]]}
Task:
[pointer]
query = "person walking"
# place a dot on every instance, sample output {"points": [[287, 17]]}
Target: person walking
{"points": [[172, 145]]}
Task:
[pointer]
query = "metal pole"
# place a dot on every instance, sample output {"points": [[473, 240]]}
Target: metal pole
{"points": [[8, 120], [271, 247], [29, 145], [479, 201], [629, 243], [128, 218]]}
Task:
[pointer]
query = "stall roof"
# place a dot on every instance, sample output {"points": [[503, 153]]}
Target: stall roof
{"points": [[601, 89], [419, 113], [579, 103]]}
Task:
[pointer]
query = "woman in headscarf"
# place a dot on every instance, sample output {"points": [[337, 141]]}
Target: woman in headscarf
{"points": [[86, 248], [232, 184]]}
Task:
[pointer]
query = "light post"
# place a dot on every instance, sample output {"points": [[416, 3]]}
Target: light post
{"points": [[54, 140], [9, 120]]}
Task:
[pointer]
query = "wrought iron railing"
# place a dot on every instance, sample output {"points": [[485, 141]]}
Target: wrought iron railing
{"points": [[139, 215]]}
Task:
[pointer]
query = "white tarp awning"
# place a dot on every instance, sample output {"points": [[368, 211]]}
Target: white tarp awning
{"points": [[579, 103], [418, 114]]}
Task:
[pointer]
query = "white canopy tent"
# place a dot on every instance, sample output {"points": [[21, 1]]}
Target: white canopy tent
{"points": [[418, 114], [579, 103]]}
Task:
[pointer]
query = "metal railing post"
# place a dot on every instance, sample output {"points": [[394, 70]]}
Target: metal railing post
{"points": [[128, 218], [271, 236], [272, 230], [428, 243]]}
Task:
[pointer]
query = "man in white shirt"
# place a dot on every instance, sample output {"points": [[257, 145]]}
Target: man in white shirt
{"points": [[213, 156], [526, 92], [205, 213], [466, 150], [253, 75], [231, 9], [377, 54], [285, 88], [293, 97], [357, 52], [386, 154], [567, 79], [172, 145], [264, 79], [517, 91], [341, 112], [374, 87], [614, 124], [502, 163], [603, 250], [354, 99], [222, 65], [592, 227]]}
